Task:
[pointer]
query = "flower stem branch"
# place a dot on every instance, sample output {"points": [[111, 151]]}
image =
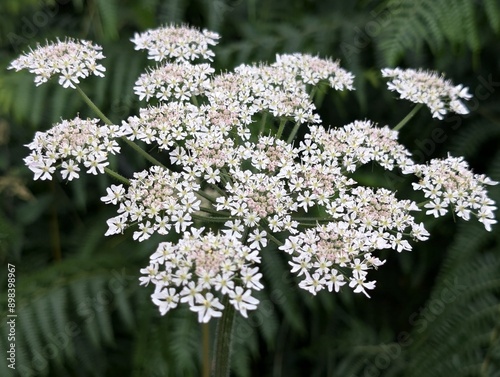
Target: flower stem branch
{"points": [[293, 133], [281, 128], [210, 218], [274, 239], [407, 118], [93, 106], [106, 120], [218, 189], [214, 212], [142, 152], [263, 123], [209, 197], [205, 329], [313, 219], [117, 176]]}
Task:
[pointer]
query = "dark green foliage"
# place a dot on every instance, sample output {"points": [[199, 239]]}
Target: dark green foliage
{"points": [[450, 25], [77, 288]]}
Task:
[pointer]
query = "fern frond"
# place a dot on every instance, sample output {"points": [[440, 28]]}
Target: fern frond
{"points": [[108, 12], [438, 24], [48, 331], [492, 10]]}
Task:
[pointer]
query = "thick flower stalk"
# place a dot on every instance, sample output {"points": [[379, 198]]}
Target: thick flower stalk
{"points": [[240, 180]]}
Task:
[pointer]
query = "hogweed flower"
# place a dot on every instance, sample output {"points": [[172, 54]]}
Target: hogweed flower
{"points": [[429, 88], [69, 144], [173, 81], [70, 60], [234, 162], [450, 183], [156, 200], [313, 69], [182, 44], [197, 267]]}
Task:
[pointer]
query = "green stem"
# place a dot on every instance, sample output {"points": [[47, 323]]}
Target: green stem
{"points": [[205, 329], [407, 118], [281, 128], [203, 194], [54, 227], [265, 226], [213, 211], [92, 105], [263, 123], [422, 204], [293, 133], [222, 353], [313, 93], [117, 176], [106, 120], [211, 219], [218, 189], [312, 219], [142, 152], [274, 239]]}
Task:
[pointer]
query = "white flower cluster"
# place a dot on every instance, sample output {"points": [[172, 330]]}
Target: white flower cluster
{"points": [[429, 88], [71, 60], [198, 266], [71, 143], [280, 88], [361, 142], [165, 125], [155, 199], [450, 183], [182, 44], [224, 135], [362, 221], [173, 81], [313, 69]]}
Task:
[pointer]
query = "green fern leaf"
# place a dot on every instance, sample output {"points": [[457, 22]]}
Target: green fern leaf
{"points": [[492, 10], [108, 12]]}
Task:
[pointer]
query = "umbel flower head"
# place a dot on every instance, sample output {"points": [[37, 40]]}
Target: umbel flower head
{"points": [[69, 144], [229, 138], [197, 267], [450, 183], [429, 88], [70, 60], [182, 44]]}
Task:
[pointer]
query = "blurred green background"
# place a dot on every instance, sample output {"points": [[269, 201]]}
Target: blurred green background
{"points": [[436, 309]]}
